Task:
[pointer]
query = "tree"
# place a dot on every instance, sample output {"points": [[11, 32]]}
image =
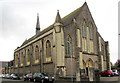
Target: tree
{"points": [[112, 66], [117, 65]]}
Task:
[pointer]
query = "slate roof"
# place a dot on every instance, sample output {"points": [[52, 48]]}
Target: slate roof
{"points": [[66, 20]]}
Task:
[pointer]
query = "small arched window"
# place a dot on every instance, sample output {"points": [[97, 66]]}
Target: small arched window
{"points": [[36, 52], [48, 49], [69, 46]]}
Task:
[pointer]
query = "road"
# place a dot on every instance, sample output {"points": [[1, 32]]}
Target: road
{"points": [[103, 80]]}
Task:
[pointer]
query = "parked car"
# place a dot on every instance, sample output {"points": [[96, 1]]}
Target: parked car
{"points": [[107, 73], [0, 75], [3, 75], [43, 77], [15, 76], [115, 72], [37, 77], [8, 76], [48, 78], [28, 77]]}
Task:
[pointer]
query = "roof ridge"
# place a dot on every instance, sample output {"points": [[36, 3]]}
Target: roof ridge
{"points": [[65, 16], [71, 13], [50, 26]]}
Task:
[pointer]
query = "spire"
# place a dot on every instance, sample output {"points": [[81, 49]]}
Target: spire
{"points": [[58, 18], [37, 24]]}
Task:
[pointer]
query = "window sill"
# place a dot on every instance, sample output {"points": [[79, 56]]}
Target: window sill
{"points": [[21, 67], [89, 53], [69, 57], [48, 62]]}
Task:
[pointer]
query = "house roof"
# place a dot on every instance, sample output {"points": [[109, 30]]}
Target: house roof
{"points": [[65, 20]]}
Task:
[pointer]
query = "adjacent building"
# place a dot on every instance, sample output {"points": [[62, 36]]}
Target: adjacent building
{"points": [[69, 47], [3, 65]]}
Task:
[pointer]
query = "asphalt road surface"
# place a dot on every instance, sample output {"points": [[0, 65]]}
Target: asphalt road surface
{"points": [[102, 80]]}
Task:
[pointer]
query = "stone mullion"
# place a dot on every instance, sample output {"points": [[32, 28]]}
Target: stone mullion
{"points": [[78, 38], [83, 45], [26, 56], [92, 46], [35, 54], [88, 39]]}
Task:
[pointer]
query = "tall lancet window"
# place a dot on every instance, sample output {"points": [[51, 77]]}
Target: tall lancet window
{"points": [[36, 52], [91, 46], [91, 32], [83, 30], [69, 46], [28, 55], [48, 49], [84, 37], [16, 60], [22, 58]]}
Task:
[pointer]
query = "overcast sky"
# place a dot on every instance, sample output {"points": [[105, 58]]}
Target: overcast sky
{"points": [[18, 21]]}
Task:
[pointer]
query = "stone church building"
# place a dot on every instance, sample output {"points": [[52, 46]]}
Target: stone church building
{"points": [[69, 47]]}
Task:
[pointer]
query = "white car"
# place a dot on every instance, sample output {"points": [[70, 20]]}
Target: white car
{"points": [[8, 76], [0, 75], [115, 72], [3, 75]]}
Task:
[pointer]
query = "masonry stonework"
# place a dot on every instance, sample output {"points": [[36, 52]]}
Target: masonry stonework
{"points": [[70, 47]]}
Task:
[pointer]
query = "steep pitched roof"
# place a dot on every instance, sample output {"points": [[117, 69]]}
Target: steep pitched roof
{"points": [[66, 20]]}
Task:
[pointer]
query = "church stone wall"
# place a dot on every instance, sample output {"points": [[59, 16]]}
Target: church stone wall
{"points": [[35, 68], [70, 66], [49, 68], [58, 62]]}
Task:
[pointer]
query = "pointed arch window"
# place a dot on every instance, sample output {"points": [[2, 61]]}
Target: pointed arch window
{"points": [[83, 30], [16, 60], [91, 32], [69, 46], [28, 55], [22, 58], [48, 49], [36, 52]]}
